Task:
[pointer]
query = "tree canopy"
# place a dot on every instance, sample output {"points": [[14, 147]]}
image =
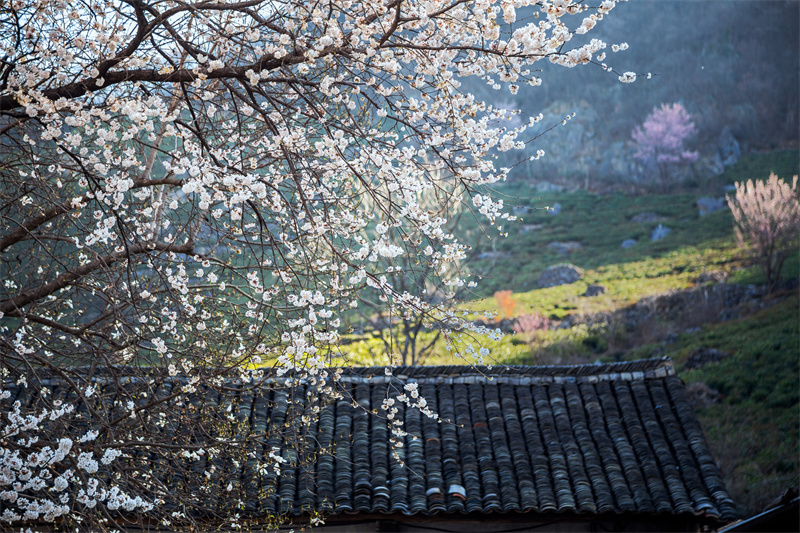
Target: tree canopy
{"points": [[195, 194], [659, 141]]}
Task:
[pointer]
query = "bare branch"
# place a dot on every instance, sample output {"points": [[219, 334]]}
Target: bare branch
{"points": [[12, 306]]}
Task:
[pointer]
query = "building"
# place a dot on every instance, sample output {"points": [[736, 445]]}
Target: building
{"points": [[605, 447]]}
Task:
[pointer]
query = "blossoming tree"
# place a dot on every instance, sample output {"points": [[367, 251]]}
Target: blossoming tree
{"points": [[184, 189], [659, 141]]}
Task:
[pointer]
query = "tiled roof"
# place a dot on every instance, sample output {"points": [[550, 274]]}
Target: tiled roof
{"points": [[584, 440], [591, 439]]}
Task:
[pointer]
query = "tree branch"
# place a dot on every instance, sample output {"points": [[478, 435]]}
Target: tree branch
{"points": [[11, 306], [25, 229], [80, 88]]}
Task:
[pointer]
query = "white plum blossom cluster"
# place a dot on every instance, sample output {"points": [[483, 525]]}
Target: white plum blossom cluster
{"points": [[210, 189], [277, 459], [412, 399], [36, 472]]}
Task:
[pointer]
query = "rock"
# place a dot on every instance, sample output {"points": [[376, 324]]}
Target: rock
{"points": [[566, 322], [592, 159], [525, 228], [712, 276], [718, 299], [659, 233], [565, 248], [628, 243], [712, 164], [728, 148], [554, 209], [703, 356], [701, 395], [724, 153], [492, 255], [559, 275], [706, 205], [594, 290], [617, 160], [506, 325], [648, 216]]}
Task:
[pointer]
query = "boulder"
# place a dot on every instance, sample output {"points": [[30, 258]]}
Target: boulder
{"points": [[701, 395], [566, 322], [546, 186], [648, 216], [565, 248], [703, 356], [559, 275], [728, 148], [593, 159], [525, 228], [659, 233], [492, 255], [628, 243], [706, 205], [594, 290], [506, 325]]}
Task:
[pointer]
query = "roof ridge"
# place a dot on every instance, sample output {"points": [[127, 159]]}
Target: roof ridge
{"points": [[641, 365], [515, 375], [452, 374]]}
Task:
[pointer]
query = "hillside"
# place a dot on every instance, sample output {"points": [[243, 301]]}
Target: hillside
{"points": [[691, 295]]}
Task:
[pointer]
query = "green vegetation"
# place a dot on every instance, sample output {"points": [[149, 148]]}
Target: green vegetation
{"points": [[753, 426], [599, 224], [753, 429], [625, 283], [784, 163]]}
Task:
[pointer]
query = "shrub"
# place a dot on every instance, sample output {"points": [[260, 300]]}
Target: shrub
{"points": [[505, 303], [527, 325], [767, 222]]}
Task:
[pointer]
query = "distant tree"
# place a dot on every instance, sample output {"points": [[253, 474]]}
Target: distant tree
{"points": [[403, 332], [767, 218], [660, 140]]}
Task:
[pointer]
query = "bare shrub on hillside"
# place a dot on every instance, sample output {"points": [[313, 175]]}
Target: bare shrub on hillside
{"points": [[767, 222]]}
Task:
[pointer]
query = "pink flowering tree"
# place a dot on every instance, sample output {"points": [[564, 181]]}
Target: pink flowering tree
{"points": [[185, 189], [660, 140], [767, 222]]}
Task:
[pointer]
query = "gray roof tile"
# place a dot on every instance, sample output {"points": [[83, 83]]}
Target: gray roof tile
{"points": [[591, 439]]}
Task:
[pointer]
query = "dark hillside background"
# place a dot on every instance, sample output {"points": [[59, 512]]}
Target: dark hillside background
{"points": [[733, 64]]}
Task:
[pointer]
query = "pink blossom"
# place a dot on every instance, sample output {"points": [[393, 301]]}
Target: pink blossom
{"points": [[659, 141]]}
